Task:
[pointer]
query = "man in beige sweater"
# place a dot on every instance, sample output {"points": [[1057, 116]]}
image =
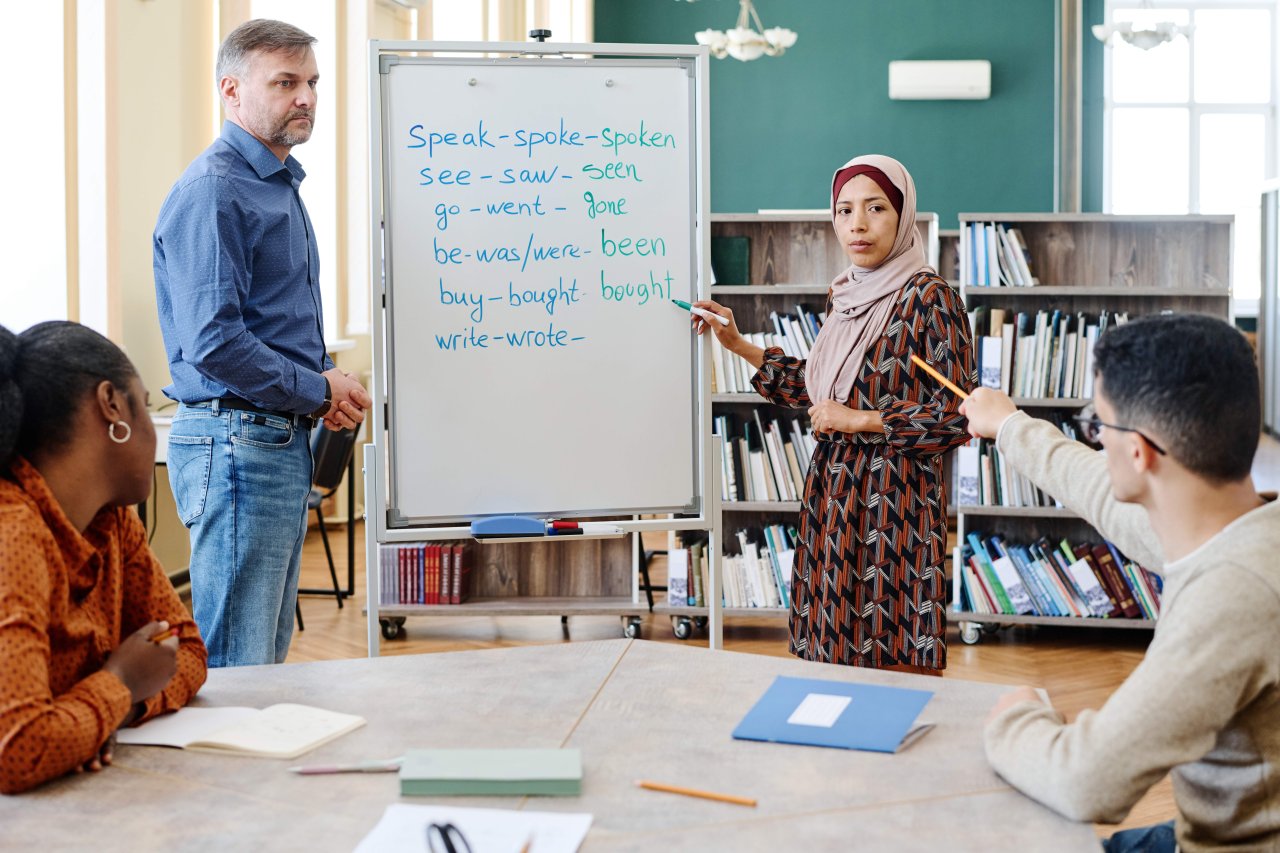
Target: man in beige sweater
{"points": [[1178, 415]]}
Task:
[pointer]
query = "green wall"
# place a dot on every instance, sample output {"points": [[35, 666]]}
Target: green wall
{"points": [[780, 126]]}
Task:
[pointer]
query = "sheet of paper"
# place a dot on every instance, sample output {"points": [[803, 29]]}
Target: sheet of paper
{"points": [[819, 709], [184, 726], [404, 827]]}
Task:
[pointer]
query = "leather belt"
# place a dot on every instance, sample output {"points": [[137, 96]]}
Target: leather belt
{"points": [[305, 421]]}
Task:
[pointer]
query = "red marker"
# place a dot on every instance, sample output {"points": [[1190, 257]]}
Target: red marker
{"points": [[564, 525]]}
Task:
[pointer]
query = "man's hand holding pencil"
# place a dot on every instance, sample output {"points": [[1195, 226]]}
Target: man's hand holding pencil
{"points": [[986, 408]]}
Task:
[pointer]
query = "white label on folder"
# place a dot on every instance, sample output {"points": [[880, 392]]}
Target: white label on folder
{"points": [[819, 709]]}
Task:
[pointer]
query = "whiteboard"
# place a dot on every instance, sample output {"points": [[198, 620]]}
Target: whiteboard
{"points": [[539, 215]]}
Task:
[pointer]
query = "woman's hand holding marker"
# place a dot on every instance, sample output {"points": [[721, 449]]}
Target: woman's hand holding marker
{"points": [[702, 312], [725, 330]]}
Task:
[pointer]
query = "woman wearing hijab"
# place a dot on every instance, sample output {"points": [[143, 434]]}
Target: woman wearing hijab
{"points": [[92, 634], [868, 586]]}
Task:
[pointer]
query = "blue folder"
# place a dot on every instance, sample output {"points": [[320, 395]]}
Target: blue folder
{"points": [[876, 719]]}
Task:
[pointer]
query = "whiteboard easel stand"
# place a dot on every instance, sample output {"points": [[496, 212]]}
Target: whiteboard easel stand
{"points": [[715, 619], [377, 530]]}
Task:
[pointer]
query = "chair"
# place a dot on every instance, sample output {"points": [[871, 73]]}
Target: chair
{"points": [[647, 586], [331, 454]]}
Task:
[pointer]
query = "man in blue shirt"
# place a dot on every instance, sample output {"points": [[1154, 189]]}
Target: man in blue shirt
{"points": [[238, 292]]}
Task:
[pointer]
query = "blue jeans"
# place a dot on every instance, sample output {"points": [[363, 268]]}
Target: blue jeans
{"points": [[240, 481], [1149, 839]]}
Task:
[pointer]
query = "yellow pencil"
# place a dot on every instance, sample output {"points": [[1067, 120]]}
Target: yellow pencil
{"points": [[694, 792], [938, 376], [164, 635]]}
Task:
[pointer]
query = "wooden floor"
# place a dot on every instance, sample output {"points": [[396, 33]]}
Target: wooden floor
{"points": [[1078, 667]]}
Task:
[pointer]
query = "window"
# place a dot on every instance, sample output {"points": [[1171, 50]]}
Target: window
{"points": [[508, 20], [33, 219], [1190, 124]]}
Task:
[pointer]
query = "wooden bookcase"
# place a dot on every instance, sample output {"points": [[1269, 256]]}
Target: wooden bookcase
{"points": [[948, 264], [588, 577], [793, 257], [1091, 262]]}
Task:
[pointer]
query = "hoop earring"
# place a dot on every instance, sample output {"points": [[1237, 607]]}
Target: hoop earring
{"points": [[128, 432]]}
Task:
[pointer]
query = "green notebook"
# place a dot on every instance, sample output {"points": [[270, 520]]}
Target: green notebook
{"points": [[731, 260], [497, 772]]}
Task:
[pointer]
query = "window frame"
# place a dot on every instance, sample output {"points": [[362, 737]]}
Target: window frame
{"points": [[1196, 110]]}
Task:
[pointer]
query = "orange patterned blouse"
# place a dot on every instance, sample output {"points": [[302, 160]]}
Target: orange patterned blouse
{"points": [[67, 600]]}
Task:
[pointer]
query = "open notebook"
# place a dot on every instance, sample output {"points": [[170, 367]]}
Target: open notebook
{"points": [[279, 731]]}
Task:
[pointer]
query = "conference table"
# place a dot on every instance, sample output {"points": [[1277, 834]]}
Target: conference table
{"points": [[636, 710]]}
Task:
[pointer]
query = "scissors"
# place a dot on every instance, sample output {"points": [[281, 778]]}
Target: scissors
{"points": [[446, 838]]}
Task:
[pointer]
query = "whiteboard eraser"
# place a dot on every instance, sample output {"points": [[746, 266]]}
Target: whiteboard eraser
{"points": [[508, 525]]}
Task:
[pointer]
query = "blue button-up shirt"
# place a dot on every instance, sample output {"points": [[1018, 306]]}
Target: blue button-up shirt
{"points": [[238, 280]]}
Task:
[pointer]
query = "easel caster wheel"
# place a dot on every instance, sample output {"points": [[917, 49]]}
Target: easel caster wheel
{"points": [[631, 627], [700, 622], [391, 627], [970, 633], [682, 627]]}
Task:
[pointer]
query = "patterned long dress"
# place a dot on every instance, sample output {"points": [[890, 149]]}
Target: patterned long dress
{"points": [[868, 587]]}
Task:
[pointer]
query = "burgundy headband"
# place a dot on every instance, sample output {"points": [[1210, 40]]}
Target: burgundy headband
{"points": [[882, 180]]}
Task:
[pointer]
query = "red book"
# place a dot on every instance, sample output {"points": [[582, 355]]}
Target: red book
{"points": [[446, 574], [1084, 552], [1120, 587], [437, 587], [461, 573], [433, 586], [404, 575]]}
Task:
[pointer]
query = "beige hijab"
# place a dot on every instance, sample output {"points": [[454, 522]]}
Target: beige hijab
{"points": [[862, 300]]}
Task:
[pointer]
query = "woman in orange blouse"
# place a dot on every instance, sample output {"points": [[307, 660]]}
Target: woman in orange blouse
{"points": [[81, 595]]}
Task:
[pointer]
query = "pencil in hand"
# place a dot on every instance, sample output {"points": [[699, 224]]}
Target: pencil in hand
{"points": [[164, 635], [694, 792], [947, 383]]}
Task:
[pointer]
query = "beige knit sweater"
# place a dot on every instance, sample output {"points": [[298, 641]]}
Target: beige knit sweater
{"points": [[1205, 701]]}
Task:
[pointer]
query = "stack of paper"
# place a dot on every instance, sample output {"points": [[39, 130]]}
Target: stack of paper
{"points": [[404, 827]]}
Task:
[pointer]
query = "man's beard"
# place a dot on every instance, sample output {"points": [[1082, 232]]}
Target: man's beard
{"points": [[283, 134]]}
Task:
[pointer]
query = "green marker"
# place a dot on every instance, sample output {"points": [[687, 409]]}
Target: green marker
{"points": [[702, 312]]}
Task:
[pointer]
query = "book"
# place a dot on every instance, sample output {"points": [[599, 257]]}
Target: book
{"points": [[818, 712], [491, 772], [731, 259], [1109, 570], [992, 356], [1084, 552], [677, 577], [278, 731], [695, 572], [989, 574]]}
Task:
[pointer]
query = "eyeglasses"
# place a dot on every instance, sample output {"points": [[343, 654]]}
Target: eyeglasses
{"points": [[1091, 428], [446, 838]]}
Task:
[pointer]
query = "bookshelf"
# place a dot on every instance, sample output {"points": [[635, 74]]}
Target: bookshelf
{"points": [[792, 258], [1087, 263], [588, 576], [948, 265]]}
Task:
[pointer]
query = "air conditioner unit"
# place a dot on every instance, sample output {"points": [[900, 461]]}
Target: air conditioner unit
{"points": [[938, 80]]}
